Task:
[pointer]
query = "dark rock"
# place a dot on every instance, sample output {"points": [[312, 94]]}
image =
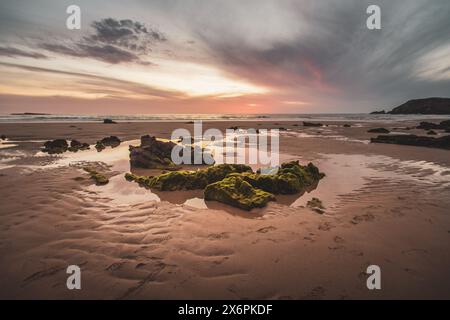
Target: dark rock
{"points": [[3, 137], [234, 128], [155, 154], [413, 140], [109, 121], [312, 124], [347, 125], [76, 145], [378, 112], [434, 126], [282, 129], [424, 106], [111, 141], [378, 130], [445, 124], [55, 146], [431, 132]]}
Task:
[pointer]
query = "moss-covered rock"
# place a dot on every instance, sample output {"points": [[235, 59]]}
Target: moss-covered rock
{"points": [[237, 192], [227, 182], [290, 178], [188, 180], [99, 178]]}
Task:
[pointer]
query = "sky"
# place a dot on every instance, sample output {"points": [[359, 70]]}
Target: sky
{"points": [[227, 56]]}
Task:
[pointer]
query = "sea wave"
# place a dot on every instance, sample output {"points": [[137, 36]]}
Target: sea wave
{"points": [[20, 118]]}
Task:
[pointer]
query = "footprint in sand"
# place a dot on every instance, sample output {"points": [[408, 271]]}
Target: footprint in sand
{"points": [[115, 266], [266, 229], [42, 274], [326, 226], [218, 236], [362, 218]]}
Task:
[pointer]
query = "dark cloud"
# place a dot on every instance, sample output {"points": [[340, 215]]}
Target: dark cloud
{"points": [[129, 34], [14, 52], [114, 41], [330, 54]]}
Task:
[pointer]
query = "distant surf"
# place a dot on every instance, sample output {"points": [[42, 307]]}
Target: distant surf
{"points": [[361, 117]]}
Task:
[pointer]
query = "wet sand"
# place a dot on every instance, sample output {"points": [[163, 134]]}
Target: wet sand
{"points": [[384, 204]]}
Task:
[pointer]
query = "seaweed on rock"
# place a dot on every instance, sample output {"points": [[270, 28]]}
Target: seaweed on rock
{"points": [[237, 192], [188, 180], [236, 184], [99, 178]]}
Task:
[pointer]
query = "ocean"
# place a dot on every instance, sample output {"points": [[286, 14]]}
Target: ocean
{"points": [[352, 117]]}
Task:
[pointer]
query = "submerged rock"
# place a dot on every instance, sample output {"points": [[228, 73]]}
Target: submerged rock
{"points": [[378, 112], [3, 137], [413, 140], [346, 125], [111, 141], [432, 132], [155, 154], [378, 130], [109, 121], [237, 192], [55, 146], [99, 178], [312, 124]]}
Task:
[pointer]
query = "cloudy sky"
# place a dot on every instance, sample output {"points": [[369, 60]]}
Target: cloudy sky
{"points": [[228, 56]]}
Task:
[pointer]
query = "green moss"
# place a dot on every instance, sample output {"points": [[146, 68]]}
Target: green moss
{"points": [[188, 180], [316, 205], [99, 178], [237, 192], [236, 184], [291, 178]]}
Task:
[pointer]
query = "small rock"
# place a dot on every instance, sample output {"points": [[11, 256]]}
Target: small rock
{"points": [[312, 124], [378, 130]]}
